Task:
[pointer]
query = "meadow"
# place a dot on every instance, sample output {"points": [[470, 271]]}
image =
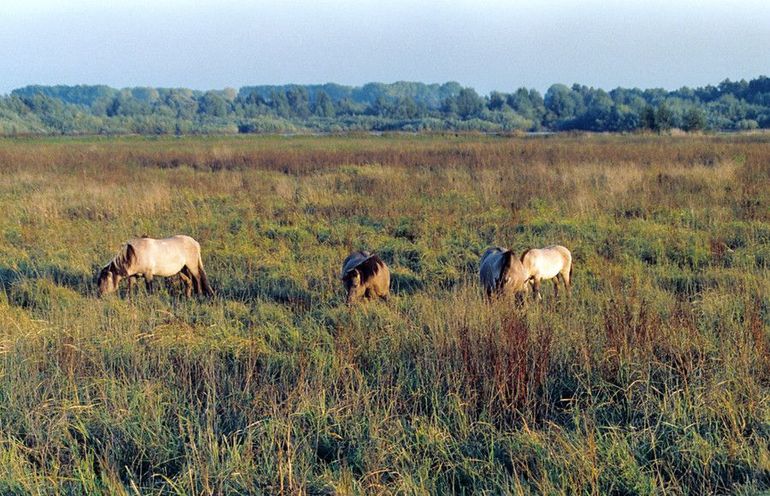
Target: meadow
{"points": [[652, 378]]}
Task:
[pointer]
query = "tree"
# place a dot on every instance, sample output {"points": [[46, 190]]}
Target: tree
{"points": [[279, 103], [212, 105], [323, 106], [182, 103], [521, 102], [497, 101], [406, 108], [380, 106], [598, 112], [468, 103], [347, 106], [648, 118], [298, 101], [694, 120], [253, 104], [663, 118], [563, 105], [623, 118], [229, 94]]}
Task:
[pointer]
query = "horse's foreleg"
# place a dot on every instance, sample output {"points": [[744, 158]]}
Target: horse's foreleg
{"points": [[536, 289], [148, 283], [130, 285], [519, 298], [556, 288]]}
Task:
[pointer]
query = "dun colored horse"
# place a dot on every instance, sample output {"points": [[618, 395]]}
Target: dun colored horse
{"points": [[551, 262], [148, 257], [365, 275], [501, 273]]}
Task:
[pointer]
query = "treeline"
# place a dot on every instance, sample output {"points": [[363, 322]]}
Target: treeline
{"points": [[402, 106]]}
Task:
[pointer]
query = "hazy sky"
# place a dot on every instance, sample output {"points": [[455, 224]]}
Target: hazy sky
{"points": [[502, 45]]}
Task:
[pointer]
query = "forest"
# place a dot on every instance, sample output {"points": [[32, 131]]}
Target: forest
{"points": [[379, 107]]}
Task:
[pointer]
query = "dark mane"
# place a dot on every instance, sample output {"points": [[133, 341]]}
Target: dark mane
{"points": [[524, 254], [507, 257], [123, 261], [369, 267]]}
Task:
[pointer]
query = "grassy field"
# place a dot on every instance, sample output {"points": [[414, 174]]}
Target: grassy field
{"points": [[652, 378]]}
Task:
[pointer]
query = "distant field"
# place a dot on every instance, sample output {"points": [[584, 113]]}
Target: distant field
{"points": [[654, 377]]}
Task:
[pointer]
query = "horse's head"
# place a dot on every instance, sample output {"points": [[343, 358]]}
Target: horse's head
{"points": [[513, 274], [353, 285], [108, 280]]}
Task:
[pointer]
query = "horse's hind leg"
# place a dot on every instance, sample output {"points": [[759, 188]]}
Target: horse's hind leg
{"points": [[187, 280], [192, 272], [556, 287], [565, 277], [148, 283]]}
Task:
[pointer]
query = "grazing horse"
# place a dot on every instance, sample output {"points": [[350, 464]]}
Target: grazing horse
{"points": [[365, 275], [148, 257], [548, 263], [501, 273]]}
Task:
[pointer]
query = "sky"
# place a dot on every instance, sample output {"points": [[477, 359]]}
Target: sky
{"points": [[488, 45]]}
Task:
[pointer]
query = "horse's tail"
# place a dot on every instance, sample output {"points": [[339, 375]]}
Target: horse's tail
{"points": [[205, 287]]}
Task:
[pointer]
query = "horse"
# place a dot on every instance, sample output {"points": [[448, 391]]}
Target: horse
{"points": [[551, 262], [149, 257], [501, 273], [365, 275]]}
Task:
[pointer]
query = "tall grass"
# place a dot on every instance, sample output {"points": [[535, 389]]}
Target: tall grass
{"points": [[652, 378]]}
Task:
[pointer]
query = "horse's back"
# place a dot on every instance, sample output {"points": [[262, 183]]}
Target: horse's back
{"points": [[494, 251], [178, 241], [353, 260], [185, 239], [490, 266], [564, 252]]}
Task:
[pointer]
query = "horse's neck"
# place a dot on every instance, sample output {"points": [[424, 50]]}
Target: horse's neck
{"points": [[121, 265]]}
